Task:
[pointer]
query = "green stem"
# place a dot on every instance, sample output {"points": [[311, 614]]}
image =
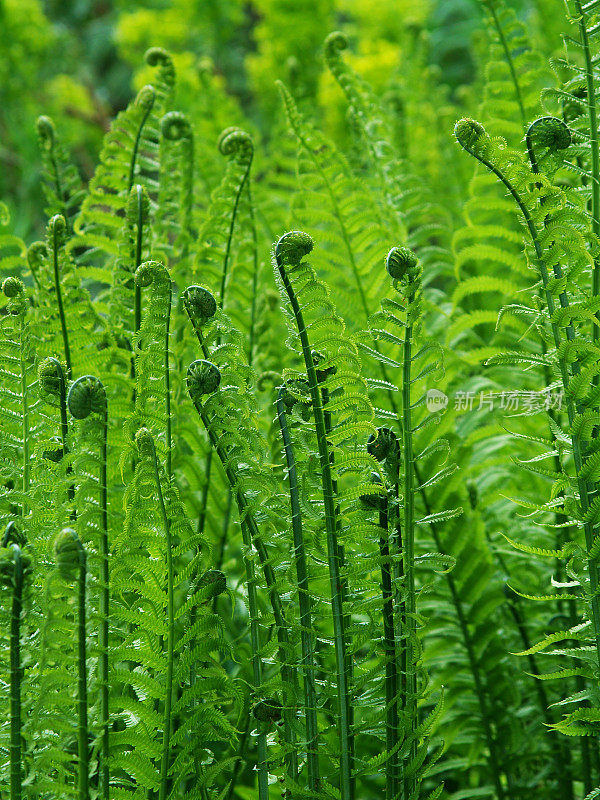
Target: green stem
{"points": [[82, 704], [236, 203], [255, 541], [344, 581], [166, 742], [391, 671], [169, 441], [509, 61], [59, 301], [254, 280], [257, 666], [136, 145], [408, 555], [222, 543], [307, 632], [493, 758], [15, 677], [139, 237], [346, 735], [104, 615]]}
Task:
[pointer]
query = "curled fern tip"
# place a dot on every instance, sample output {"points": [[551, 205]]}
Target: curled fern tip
{"points": [[86, 396], [292, 247], [472, 136], [203, 377], [200, 304]]}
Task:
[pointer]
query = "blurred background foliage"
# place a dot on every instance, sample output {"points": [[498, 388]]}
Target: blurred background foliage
{"points": [[79, 62]]}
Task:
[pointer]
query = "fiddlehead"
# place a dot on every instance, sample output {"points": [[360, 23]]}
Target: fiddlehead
{"points": [[288, 254], [203, 378], [53, 388], [161, 58], [71, 561], [87, 396], [177, 162], [203, 381], [61, 181], [157, 326], [238, 146], [57, 237], [201, 307]]}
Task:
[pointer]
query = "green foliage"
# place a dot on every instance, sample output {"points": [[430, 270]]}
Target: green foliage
{"points": [[311, 512]]}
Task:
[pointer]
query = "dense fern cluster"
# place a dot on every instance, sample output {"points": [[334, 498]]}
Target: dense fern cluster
{"points": [[299, 459]]}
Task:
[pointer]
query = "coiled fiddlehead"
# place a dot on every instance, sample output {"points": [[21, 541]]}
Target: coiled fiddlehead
{"points": [[203, 378], [14, 289], [14, 566], [238, 145], [155, 273], [403, 267], [161, 58], [71, 561], [175, 128], [53, 388], [87, 396], [61, 182], [288, 253], [57, 237], [200, 306]]}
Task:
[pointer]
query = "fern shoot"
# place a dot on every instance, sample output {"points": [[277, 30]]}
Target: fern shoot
{"points": [[57, 237], [87, 396], [154, 273], [71, 562], [204, 378], [288, 253]]}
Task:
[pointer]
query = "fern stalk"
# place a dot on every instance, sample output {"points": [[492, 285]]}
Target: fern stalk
{"points": [[408, 550], [71, 560], [491, 5], [307, 633], [57, 228], [15, 567], [86, 396], [289, 251], [145, 443], [200, 375]]}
